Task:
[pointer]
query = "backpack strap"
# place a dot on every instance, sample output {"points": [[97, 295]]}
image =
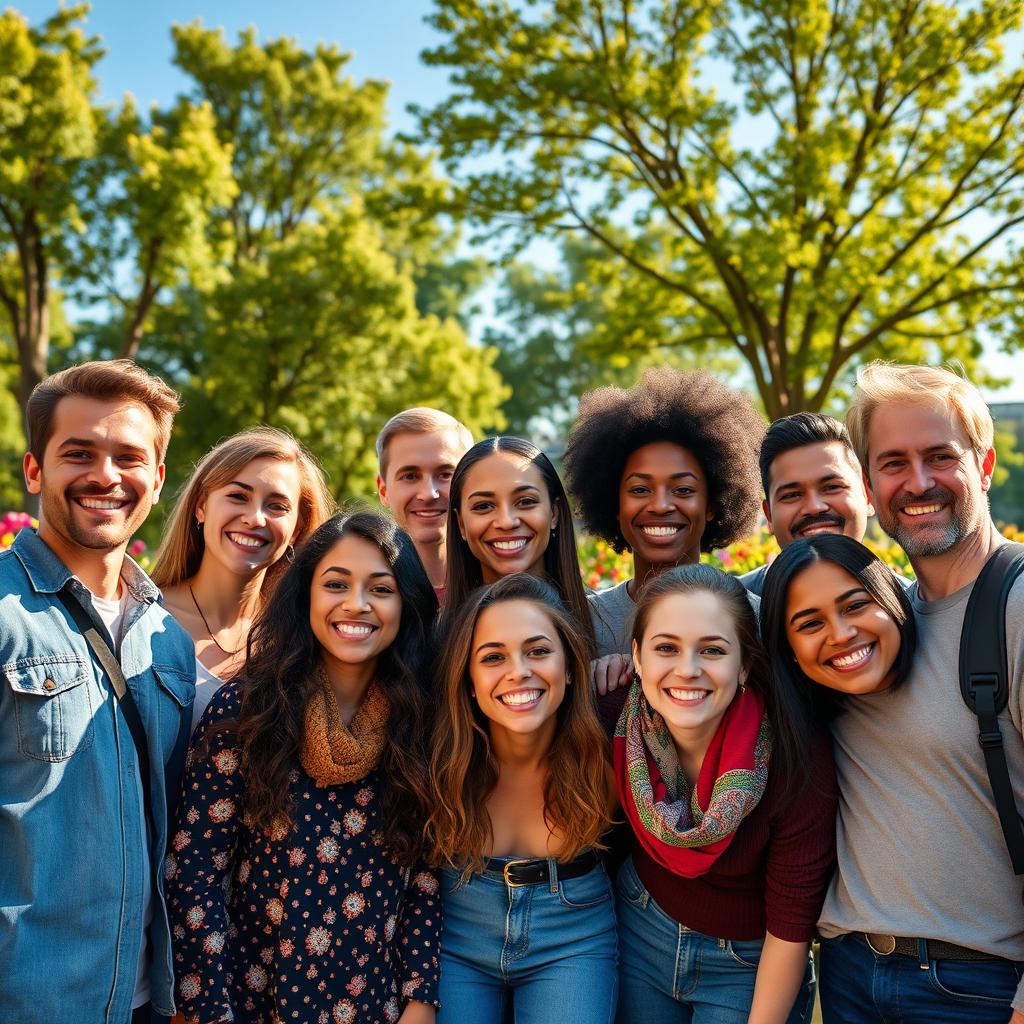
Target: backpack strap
{"points": [[985, 683]]}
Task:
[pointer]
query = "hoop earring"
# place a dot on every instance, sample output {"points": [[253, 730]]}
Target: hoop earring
{"points": [[289, 553]]}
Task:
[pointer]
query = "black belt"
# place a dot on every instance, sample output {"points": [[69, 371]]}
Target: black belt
{"points": [[887, 945], [538, 870]]}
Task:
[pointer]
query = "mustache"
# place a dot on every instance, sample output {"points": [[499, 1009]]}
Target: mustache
{"points": [[933, 496], [822, 519]]}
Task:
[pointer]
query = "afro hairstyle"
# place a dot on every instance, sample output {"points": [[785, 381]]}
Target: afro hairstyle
{"points": [[718, 426]]}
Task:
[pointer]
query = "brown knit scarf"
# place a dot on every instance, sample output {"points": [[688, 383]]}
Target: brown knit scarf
{"points": [[334, 754]]}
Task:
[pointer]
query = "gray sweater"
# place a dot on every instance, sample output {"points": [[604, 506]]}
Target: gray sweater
{"points": [[920, 850]]}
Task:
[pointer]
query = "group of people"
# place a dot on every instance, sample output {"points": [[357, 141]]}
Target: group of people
{"points": [[365, 766]]}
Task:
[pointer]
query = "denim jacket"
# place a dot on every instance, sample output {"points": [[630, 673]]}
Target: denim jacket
{"points": [[71, 867]]}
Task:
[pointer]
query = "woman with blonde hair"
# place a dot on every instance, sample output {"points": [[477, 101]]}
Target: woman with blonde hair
{"points": [[237, 520]]}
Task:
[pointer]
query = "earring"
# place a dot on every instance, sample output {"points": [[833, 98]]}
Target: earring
{"points": [[289, 553], [199, 524]]}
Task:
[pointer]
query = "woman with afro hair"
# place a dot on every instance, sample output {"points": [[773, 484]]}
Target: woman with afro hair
{"points": [[666, 469]]}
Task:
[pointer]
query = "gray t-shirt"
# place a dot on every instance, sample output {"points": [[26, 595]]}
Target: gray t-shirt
{"points": [[611, 612], [920, 850]]}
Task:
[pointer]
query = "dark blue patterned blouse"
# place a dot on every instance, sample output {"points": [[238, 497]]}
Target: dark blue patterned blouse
{"points": [[313, 923]]}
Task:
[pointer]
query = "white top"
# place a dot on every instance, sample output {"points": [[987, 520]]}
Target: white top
{"points": [[113, 613], [207, 684]]}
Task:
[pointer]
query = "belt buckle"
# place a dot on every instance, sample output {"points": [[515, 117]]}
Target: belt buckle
{"points": [[504, 873], [888, 941]]}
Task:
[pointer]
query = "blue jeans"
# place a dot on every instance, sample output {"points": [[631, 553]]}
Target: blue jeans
{"points": [[550, 948], [860, 986], [669, 974]]}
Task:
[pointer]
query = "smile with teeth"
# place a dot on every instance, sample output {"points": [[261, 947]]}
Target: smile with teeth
{"points": [[103, 504], [666, 530], [520, 698], [852, 659], [687, 695], [510, 546], [353, 630], [921, 510], [245, 541]]}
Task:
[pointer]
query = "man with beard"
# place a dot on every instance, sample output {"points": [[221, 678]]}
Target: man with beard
{"points": [[95, 704], [812, 484], [417, 452], [923, 921]]}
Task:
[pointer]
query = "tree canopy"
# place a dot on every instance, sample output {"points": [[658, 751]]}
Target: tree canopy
{"points": [[852, 193]]}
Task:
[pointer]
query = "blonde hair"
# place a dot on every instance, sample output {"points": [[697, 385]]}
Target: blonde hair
{"points": [[881, 383], [181, 549], [419, 420]]}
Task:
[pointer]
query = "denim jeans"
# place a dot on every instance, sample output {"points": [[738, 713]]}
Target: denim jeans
{"points": [[860, 986], [550, 948], [669, 974]]}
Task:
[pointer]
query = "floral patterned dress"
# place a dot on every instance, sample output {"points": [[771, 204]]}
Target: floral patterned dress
{"points": [[314, 923]]}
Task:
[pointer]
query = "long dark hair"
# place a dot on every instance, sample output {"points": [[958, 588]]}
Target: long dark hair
{"points": [[463, 768], [790, 746], [802, 702], [561, 563], [280, 676]]}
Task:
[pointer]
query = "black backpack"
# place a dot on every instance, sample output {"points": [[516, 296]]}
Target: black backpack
{"points": [[985, 683]]}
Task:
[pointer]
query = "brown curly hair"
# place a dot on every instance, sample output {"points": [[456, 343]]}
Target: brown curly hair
{"points": [[718, 426]]}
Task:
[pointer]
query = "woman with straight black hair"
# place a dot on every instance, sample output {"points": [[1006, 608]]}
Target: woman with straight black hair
{"points": [[508, 512], [832, 614], [304, 799]]}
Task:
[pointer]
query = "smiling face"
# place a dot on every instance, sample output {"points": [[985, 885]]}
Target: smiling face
{"points": [[840, 635], [690, 664], [518, 668], [663, 505], [354, 605], [419, 475], [816, 488], [99, 477], [250, 521], [505, 515], [927, 482]]}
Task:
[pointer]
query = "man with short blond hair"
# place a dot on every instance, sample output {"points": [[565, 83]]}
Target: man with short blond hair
{"points": [[417, 452], [95, 707], [923, 921]]}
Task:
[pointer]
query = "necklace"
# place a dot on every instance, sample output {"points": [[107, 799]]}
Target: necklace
{"points": [[209, 631]]}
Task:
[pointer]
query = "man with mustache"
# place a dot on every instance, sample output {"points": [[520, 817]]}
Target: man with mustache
{"points": [[417, 452], [96, 689], [923, 921], [812, 484]]}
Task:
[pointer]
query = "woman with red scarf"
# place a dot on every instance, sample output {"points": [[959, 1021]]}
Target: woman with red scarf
{"points": [[734, 827]]}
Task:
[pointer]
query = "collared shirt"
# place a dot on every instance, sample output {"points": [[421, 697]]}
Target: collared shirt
{"points": [[72, 873]]}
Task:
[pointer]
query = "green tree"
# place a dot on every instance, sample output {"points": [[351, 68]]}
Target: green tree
{"points": [[49, 126], [850, 193], [562, 332], [339, 301]]}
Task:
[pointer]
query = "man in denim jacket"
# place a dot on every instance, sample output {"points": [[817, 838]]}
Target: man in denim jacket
{"points": [[83, 927]]}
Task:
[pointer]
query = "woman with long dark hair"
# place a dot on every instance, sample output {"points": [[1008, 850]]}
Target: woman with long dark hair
{"points": [[733, 820], [508, 512], [294, 877], [521, 793]]}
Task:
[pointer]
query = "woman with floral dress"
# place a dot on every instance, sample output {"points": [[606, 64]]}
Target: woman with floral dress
{"points": [[294, 876]]}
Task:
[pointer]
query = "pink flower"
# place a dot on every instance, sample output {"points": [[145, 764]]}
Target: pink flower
{"points": [[136, 548]]}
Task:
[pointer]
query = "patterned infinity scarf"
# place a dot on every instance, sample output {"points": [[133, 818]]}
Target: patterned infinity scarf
{"points": [[334, 754], [687, 831]]}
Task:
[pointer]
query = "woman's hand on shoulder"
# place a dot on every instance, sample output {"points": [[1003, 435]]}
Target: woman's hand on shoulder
{"points": [[610, 673], [416, 1012]]}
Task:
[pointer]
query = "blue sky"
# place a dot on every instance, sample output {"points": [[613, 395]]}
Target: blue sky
{"points": [[384, 36]]}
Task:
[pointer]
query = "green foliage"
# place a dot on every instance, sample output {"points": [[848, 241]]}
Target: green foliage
{"points": [[850, 195], [562, 333]]}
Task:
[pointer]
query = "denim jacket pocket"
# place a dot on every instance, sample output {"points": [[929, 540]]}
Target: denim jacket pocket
{"points": [[176, 693], [54, 703]]}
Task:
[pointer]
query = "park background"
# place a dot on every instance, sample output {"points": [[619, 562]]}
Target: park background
{"points": [[315, 215]]}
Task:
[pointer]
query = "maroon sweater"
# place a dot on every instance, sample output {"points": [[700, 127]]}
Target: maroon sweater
{"points": [[773, 875]]}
